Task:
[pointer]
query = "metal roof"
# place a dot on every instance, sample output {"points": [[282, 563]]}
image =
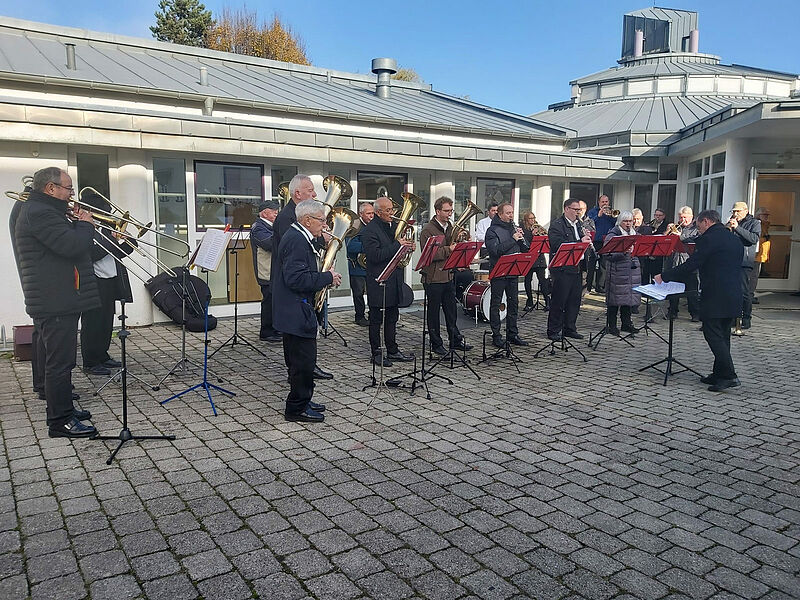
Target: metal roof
{"points": [[38, 50], [667, 114]]}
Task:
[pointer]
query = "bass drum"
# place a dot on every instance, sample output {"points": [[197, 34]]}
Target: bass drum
{"points": [[478, 298]]}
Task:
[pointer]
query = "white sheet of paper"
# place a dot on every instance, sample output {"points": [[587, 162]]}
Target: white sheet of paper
{"points": [[659, 291], [212, 249]]}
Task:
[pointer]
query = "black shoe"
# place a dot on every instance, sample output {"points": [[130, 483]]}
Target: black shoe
{"points": [[573, 334], [71, 429], [517, 341], [709, 379], [695, 319], [629, 328], [97, 370], [307, 416], [377, 361], [635, 310], [555, 337], [439, 350], [81, 415], [756, 301], [272, 338], [746, 323], [112, 363], [75, 397], [362, 322], [724, 384], [612, 330], [529, 305], [462, 345], [498, 341], [316, 406], [320, 374], [400, 357]]}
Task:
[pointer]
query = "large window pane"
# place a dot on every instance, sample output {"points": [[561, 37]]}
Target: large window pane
{"points": [[281, 175], [695, 169], [93, 172], [717, 185], [227, 194], [588, 192], [668, 172], [462, 187], [499, 190], [666, 199], [169, 179], [372, 186], [643, 200], [556, 200], [718, 163], [525, 195]]}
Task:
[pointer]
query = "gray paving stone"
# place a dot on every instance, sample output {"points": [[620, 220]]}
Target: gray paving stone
{"points": [[154, 566], [174, 587], [385, 585], [737, 583], [333, 586], [49, 566], [14, 587], [104, 565], [229, 586], [535, 584], [68, 587], [122, 587], [279, 586], [206, 564], [435, 585]]}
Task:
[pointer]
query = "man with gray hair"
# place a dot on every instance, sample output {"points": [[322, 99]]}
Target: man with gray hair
{"points": [[687, 229], [295, 286], [58, 283], [357, 270]]}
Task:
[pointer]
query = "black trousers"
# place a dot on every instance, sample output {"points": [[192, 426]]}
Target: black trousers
{"points": [[747, 296], [595, 269], [58, 350], [358, 285], [389, 329], [624, 311], [442, 296], [300, 354], [509, 285], [565, 302], [266, 311], [37, 369], [718, 336], [692, 297], [98, 324], [544, 283]]}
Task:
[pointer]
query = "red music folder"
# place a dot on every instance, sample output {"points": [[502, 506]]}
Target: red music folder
{"points": [[540, 244], [513, 265], [401, 253], [462, 255], [655, 245], [620, 243], [569, 254], [431, 246]]}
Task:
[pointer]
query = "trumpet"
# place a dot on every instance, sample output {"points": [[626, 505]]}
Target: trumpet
{"points": [[611, 212], [673, 229]]}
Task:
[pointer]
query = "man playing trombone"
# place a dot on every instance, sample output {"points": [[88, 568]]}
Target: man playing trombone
{"points": [[58, 284]]}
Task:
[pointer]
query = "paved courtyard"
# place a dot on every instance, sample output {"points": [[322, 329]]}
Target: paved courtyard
{"points": [[569, 480]]}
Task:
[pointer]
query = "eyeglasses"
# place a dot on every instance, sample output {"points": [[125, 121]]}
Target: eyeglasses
{"points": [[64, 187], [575, 208], [320, 219]]}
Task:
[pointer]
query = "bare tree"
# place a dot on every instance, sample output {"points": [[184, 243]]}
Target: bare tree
{"points": [[405, 74]]}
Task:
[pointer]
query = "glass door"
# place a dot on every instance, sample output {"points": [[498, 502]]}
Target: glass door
{"points": [[780, 196]]}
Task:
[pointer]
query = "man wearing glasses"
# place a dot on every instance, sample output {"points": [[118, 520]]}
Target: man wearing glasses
{"points": [[566, 295], [58, 283]]}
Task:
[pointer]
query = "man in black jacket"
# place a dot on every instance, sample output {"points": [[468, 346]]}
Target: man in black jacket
{"points": [[377, 239], [718, 257], [58, 284], [747, 229], [565, 300], [294, 288], [503, 237], [262, 247]]}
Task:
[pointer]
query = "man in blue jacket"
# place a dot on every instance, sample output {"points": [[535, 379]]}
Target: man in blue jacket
{"points": [[261, 239], [293, 294], [718, 258], [358, 273]]}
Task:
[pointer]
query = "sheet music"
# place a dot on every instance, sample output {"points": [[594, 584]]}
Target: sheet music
{"points": [[659, 291], [211, 249]]}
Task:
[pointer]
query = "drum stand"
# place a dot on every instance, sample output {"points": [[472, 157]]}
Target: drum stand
{"points": [[564, 345], [505, 352], [125, 434]]}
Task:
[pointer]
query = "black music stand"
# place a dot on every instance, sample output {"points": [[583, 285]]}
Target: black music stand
{"points": [[670, 359], [621, 243], [460, 258], [510, 265], [233, 248], [540, 244], [119, 372], [647, 246], [125, 434], [568, 254], [326, 324]]}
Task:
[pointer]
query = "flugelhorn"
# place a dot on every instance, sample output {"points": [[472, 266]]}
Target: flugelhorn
{"points": [[343, 221], [460, 226]]}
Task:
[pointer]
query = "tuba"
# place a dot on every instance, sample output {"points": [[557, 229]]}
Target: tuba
{"points": [[283, 192], [343, 220], [405, 225], [459, 232], [338, 189]]}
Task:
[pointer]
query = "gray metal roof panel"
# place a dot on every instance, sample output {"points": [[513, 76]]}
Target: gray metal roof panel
{"points": [[33, 49]]}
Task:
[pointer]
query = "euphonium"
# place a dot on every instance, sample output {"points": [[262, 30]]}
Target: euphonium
{"points": [[406, 230], [343, 220], [459, 229]]}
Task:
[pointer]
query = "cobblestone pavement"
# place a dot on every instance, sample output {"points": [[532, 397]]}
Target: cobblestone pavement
{"points": [[571, 480]]}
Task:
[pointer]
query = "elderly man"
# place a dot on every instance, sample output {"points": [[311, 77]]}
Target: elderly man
{"points": [[358, 274], [379, 248], [689, 233], [718, 257], [747, 230], [300, 188], [603, 223], [261, 240], [59, 284], [295, 285]]}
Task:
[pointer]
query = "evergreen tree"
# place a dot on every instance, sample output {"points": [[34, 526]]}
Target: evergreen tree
{"points": [[182, 22]]}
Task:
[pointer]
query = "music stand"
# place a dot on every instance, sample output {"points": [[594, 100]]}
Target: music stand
{"points": [[621, 243], [326, 324], [233, 248], [540, 244], [509, 265], [460, 258], [569, 254], [670, 357], [647, 246]]}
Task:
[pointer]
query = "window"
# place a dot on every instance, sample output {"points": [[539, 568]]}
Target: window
{"points": [[169, 179], [643, 199], [227, 194], [497, 190], [372, 186], [463, 194], [281, 175], [556, 200], [588, 192], [695, 169], [667, 172], [718, 163], [666, 199], [608, 190], [706, 177], [93, 172], [526, 195]]}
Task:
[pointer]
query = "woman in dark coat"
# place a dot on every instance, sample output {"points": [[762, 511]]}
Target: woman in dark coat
{"points": [[624, 273]]}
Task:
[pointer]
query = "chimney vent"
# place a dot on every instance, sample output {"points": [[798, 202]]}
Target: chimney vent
{"points": [[70, 57], [694, 41], [203, 76], [384, 68], [638, 43]]}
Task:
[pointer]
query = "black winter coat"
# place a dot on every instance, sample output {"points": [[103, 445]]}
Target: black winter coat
{"points": [[624, 273], [499, 240], [54, 259], [717, 256], [377, 239], [748, 233]]}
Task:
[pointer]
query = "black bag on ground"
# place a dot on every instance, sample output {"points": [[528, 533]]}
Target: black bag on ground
{"points": [[166, 291]]}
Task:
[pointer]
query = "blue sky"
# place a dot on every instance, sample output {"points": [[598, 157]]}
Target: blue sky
{"points": [[514, 55]]}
